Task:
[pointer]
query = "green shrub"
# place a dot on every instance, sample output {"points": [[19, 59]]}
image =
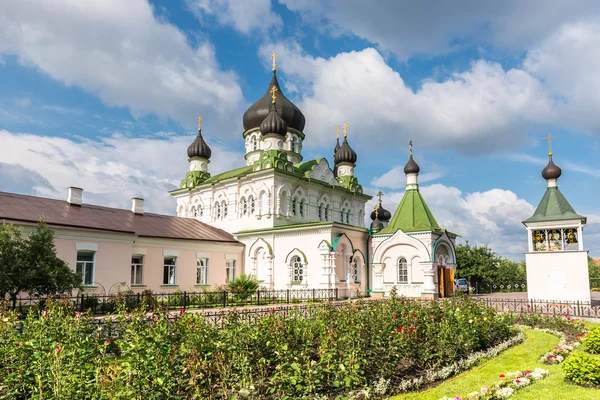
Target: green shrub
{"points": [[582, 369], [244, 286], [592, 341]]}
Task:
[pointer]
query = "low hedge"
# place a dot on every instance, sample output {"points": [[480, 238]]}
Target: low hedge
{"points": [[582, 369], [592, 341], [325, 350]]}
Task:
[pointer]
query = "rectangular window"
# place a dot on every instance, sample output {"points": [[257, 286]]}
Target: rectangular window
{"points": [[169, 271], [85, 267], [137, 270], [229, 271], [202, 271]]}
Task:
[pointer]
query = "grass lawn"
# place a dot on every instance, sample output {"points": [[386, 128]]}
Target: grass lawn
{"points": [[521, 357]]}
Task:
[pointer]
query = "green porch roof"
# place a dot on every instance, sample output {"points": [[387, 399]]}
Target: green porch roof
{"points": [[553, 207], [304, 167], [412, 215], [229, 174]]}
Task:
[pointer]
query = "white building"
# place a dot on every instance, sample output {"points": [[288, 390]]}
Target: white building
{"points": [[557, 264], [302, 221]]}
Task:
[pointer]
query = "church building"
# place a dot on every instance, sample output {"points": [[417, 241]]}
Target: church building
{"points": [[303, 221]]}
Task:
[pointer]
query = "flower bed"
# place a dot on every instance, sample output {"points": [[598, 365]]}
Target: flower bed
{"points": [[329, 351], [506, 387]]}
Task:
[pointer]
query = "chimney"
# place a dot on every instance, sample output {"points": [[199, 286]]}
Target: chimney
{"points": [[137, 206], [75, 196]]}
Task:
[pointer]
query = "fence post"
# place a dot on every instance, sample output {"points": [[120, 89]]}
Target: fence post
{"points": [[184, 298], [578, 309], [139, 300], [336, 294], [258, 297], [287, 294], [81, 308], [313, 294], [225, 298]]}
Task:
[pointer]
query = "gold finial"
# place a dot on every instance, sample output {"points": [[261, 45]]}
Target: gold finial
{"points": [[345, 129], [274, 61], [549, 139], [273, 90], [337, 132], [199, 122], [410, 146], [380, 194], [376, 211]]}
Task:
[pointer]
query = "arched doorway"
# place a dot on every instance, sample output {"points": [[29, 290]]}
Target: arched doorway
{"points": [[445, 274]]}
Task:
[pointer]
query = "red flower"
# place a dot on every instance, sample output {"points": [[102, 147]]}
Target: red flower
{"points": [[272, 310], [517, 381], [501, 375], [395, 316], [45, 313], [340, 352], [401, 329], [107, 341], [182, 310], [414, 315], [411, 330], [57, 350]]}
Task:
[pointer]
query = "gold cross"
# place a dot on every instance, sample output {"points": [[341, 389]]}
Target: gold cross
{"points": [[376, 211], [345, 129], [379, 194], [549, 139], [337, 132], [274, 60], [410, 145], [200, 122], [273, 90]]}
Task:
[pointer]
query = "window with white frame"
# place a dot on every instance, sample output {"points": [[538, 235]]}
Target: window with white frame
{"points": [[402, 270], [224, 209], [295, 206], [254, 143], [348, 217], [341, 215], [137, 270], [217, 210], [297, 270], [302, 208], [193, 212], [85, 266], [200, 210], [293, 147], [354, 271], [252, 204], [170, 266], [202, 271], [327, 209], [244, 206], [229, 270], [320, 212]]}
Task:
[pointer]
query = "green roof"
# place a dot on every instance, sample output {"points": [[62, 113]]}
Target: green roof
{"points": [[412, 215], [229, 174], [306, 166], [553, 207]]}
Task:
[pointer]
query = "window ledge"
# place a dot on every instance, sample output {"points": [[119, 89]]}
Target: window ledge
{"points": [[137, 285], [90, 287], [169, 285], [201, 285]]}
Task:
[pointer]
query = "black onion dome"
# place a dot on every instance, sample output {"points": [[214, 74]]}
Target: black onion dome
{"points": [[411, 167], [382, 214], [552, 171], [345, 154], [273, 123], [258, 111], [199, 148], [337, 145], [377, 225]]}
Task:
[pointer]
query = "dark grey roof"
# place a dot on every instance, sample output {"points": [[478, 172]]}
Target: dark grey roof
{"points": [[376, 225], [345, 153], [17, 208], [337, 145], [382, 214], [411, 166], [258, 111], [273, 123], [551, 171], [199, 148]]}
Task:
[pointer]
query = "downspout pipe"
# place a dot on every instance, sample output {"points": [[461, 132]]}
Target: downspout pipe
{"points": [[369, 234]]}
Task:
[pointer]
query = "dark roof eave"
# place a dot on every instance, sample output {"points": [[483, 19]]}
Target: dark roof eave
{"points": [[233, 241]]}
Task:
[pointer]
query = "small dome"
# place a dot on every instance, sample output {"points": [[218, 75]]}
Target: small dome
{"points": [[552, 171], [257, 112], [199, 148], [411, 166], [273, 123], [337, 145], [377, 225], [382, 214], [345, 154]]}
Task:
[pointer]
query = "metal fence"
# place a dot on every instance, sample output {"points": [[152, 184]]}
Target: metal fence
{"points": [[499, 287], [546, 307], [101, 304]]}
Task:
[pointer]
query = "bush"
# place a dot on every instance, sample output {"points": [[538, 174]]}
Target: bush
{"points": [[582, 369], [327, 349], [244, 286], [592, 341]]}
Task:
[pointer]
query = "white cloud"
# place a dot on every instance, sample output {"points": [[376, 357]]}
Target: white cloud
{"points": [[244, 16], [409, 28], [396, 179], [111, 171], [119, 51], [563, 164], [483, 109], [23, 102]]}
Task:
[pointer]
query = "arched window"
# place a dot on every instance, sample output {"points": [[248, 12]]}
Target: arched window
{"points": [[297, 270], [193, 212], [254, 143], [244, 206], [295, 206], [402, 270], [252, 204], [224, 206], [348, 217], [354, 271], [327, 213], [342, 216], [293, 145], [217, 210], [302, 208], [320, 212], [200, 210]]}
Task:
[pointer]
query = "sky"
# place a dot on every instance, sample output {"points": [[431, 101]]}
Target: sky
{"points": [[104, 95]]}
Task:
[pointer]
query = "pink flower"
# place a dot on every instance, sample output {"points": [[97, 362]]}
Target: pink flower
{"points": [[45, 313], [395, 316], [182, 310], [78, 314], [401, 329], [20, 344], [517, 381], [57, 350], [107, 341], [340, 352]]}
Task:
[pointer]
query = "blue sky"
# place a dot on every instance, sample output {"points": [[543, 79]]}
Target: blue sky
{"points": [[105, 95]]}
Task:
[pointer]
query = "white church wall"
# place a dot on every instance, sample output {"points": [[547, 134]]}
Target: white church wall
{"points": [[559, 276]]}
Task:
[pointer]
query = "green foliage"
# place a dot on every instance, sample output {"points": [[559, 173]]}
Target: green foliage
{"points": [[592, 341], [571, 327], [482, 266], [244, 286], [582, 369], [29, 264], [327, 350], [594, 273]]}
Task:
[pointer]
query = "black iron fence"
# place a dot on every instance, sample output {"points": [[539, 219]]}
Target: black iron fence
{"points": [[546, 307], [498, 287], [101, 304]]}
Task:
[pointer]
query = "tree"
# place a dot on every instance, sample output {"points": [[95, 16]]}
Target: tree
{"points": [[31, 265], [594, 272]]}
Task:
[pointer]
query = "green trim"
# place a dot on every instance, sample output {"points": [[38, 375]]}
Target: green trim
{"points": [[234, 173], [416, 283], [283, 227], [265, 242], [412, 215], [336, 240], [299, 251], [361, 253], [554, 207], [326, 242], [389, 283], [304, 168]]}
